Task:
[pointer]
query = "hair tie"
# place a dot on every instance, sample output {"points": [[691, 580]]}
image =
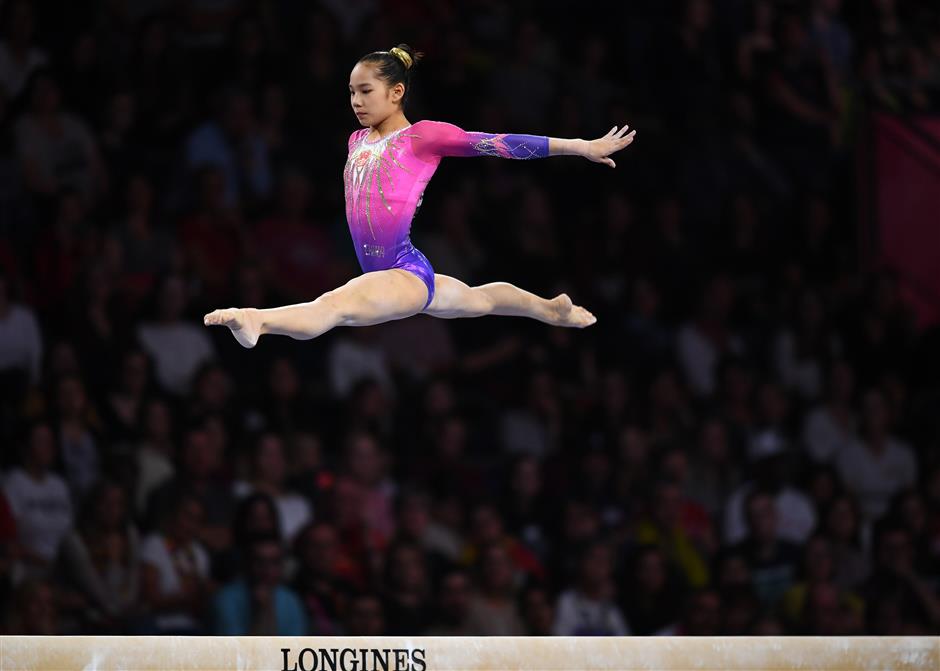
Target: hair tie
{"points": [[403, 56]]}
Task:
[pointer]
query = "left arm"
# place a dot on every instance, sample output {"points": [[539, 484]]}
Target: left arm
{"points": [[438, 139]]}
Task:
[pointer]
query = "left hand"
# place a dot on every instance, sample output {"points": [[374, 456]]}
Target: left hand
{"points": [[600, 149]]}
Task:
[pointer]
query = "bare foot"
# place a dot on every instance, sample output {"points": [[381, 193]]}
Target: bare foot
{"points": [[569, 314], [243, 323]]}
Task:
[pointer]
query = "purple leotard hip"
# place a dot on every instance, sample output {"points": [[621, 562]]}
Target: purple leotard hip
{"points": [[411, 259]]}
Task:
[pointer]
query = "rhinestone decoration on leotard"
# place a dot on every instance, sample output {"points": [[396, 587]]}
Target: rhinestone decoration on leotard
{"points": [[366, 167]]}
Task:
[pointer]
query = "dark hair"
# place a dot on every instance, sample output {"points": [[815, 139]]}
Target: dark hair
{"points": [[243, 534], [393, 69]]}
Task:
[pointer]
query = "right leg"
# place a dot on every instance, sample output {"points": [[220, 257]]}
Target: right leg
{"points": [[454, 299], [371, 298]]}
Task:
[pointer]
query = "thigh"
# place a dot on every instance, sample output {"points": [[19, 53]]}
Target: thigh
{"points": [[453, 298], [379, 296]]}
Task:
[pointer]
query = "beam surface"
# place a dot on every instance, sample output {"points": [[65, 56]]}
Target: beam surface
{"points": [[177, 653]]}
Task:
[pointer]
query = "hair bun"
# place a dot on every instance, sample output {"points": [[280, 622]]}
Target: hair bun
{"points": [[406, 55]]}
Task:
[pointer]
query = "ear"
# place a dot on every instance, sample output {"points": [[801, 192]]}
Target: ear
{"points": [[397, 92]]}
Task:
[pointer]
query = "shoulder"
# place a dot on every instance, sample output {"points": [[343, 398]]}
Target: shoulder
{"points": [[356, 136], [152, 546], [15, 476], [57, 486], [426, 127], [288, 597], [231, 596]]}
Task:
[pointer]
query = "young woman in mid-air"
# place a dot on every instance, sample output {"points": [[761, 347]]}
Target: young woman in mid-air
{"points": [[390, 163]]}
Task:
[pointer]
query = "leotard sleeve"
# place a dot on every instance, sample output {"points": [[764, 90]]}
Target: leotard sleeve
{"points": [[438, 139], [353, 138]]}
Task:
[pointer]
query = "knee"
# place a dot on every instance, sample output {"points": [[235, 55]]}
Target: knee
{"points": [[343, 307], [481, 303]]}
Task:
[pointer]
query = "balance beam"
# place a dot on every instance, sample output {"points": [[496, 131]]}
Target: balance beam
{"points": [[176, 653]]}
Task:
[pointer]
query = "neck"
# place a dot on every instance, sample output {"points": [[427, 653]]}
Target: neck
{"points": [[396, 121]]}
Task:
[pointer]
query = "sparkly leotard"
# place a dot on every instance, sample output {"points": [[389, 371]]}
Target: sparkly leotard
{"points": [[385, 180]]}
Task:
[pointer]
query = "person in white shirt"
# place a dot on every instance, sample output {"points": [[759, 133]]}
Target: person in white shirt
{"points": [[354, 356], [268, 476], [796, 516], [589, 609], [704, 341], [175, 580], [879, 465], [830, 426], [177, 347], [20, 337], [40, 503]]}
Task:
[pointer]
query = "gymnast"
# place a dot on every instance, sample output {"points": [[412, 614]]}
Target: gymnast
{"points": [[390, 162]]}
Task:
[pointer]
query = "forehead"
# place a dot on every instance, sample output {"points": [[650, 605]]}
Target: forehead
{"points": [[363, 73]]}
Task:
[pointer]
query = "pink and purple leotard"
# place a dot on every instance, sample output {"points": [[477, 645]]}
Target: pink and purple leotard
{"points": [[385, 181]]}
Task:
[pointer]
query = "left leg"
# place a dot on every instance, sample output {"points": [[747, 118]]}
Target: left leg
{"points": [[372, 298], [454, 299]]}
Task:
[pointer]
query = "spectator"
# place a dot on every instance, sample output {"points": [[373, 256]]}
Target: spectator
{"points": [[649, 592], [878, 465], [408, 589], [177, 347], [365, 616], [589, 609], [231, 143], [453, 605], [830, 427], [296, 251], [320, 582], [40, 502], [795, 515], [212, 234], [701, 343], [33, 610], [269, 476], [259, 604], [156, 453], [102, 558], [19, 56], [844, 530], [175, 580], [56, 149], [668, 528], [20, 340], [773, 562], [493, 610], [197, 477]]}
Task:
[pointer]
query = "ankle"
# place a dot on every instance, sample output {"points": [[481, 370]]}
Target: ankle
{"points": [[256, 317]]}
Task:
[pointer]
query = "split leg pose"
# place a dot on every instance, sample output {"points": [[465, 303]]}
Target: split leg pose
{"points": [[390, 161]]}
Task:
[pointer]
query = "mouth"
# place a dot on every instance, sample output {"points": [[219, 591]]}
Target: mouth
{"points": [[360, 114]]}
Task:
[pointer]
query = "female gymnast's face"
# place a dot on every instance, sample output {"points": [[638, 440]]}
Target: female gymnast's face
{"points": [[372, 99]]}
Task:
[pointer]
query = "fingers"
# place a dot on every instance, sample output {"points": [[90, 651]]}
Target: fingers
{"points": [[622, 131], [611, 132], [610, 162]]}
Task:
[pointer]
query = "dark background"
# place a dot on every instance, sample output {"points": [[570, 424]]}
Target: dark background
{"points": [[745, 443]]}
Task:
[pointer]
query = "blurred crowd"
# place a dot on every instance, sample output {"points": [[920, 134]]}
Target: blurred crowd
{"points": [[747, 441]]}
